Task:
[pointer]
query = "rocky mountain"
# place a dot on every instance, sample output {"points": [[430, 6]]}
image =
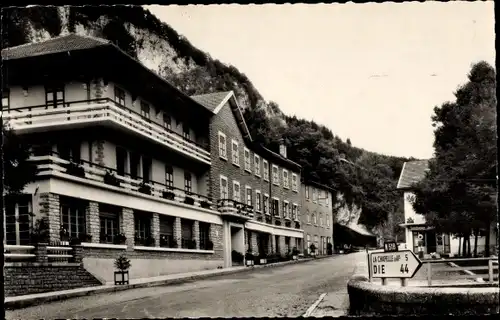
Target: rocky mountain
{"points": [[160, 48]]}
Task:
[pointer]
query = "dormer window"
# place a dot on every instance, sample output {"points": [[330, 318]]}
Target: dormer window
{"points": [[145, 109], [5, 99], [167, 121], [120, 96]]}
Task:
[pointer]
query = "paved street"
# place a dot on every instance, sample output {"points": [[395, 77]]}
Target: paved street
{"points": [[282, 291]]}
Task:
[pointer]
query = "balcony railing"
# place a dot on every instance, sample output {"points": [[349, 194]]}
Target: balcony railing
{"points": [[235, 208], [85, 112], [19, 253], [53, 163]]}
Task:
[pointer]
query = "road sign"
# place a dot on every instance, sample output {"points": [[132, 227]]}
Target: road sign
{"points": [[401, 264], [390, 246]]}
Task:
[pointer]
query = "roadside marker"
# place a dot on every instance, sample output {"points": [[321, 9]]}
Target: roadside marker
{"points": [[400, 264], [314, 305]]}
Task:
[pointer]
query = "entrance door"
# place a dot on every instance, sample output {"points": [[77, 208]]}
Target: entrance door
{"points": [[431, 241], [277, 240]]}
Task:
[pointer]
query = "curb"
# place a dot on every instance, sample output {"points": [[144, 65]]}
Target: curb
{"points": [[54, 296]]}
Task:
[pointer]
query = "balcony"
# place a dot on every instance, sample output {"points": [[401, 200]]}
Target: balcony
{"points": [[53, 164], [88, 113], [234, 209]]}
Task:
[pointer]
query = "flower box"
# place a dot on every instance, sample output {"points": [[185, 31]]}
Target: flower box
{"points": [[75, 169], [205, 204], [110, 179], [263, 261], [249, 263], [144, 188], [188, 200], [169, 195], [121, 277]]}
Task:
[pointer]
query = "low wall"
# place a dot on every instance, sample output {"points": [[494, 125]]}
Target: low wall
{"points": [[31, 278], [149, 262], [366, 298]]}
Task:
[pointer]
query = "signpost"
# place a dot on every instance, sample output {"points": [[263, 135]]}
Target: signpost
{"points": [[390, 246], [397, 264]]}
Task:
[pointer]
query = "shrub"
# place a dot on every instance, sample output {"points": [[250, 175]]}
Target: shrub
{"points": [[122, 263]]}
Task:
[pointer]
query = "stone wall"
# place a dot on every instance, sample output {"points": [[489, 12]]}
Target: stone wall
{"points": [[366, 298], [25, 278]]}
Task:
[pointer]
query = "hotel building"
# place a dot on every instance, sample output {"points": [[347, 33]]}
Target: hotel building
{"points": [[129, 164]]}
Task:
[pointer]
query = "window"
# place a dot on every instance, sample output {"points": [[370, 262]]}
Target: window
{"points": [[205, 236], [224, 192], [145, 109], [295, 211], [109, 222], [167, 121], [327, 198], [188, 183], [248, 195], [308, 243], [235, 153], [69, 151], [328, 221], [121, 160], [307, 193], [266, 170], [308, 217], [54, 95], [134, 165], [73, 218], [248, 166], [275, 209], [257, 165], [120, 96], [258, 199], [187, 233], [314, 219], [315, 195], [322, 197], [17, 219], [285, 209], [285, 179], [147, 164], [275, 175], [5, 99], [185, 132], [142, 224], [222, 146], [266, 203], [236, 191], [295, 186], [167, 231], [320, 219], [169, 176]]}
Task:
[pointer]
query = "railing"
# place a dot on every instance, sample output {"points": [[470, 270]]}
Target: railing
{"points": [[234, 207], [98, 110], [475, 264], [47, 164], [19, 253], [59, 251]]}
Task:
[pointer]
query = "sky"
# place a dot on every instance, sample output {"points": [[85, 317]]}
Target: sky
{"points": [[369, 72]]}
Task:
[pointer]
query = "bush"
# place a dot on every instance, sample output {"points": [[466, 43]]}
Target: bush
{"points": [[40, 231], [122, 263]]}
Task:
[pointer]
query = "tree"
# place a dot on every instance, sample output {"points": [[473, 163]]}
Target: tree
{"points": [[457, 193], [17, 171]]}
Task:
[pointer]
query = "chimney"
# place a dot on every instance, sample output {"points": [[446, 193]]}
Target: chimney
{"points": [[282, 148]]}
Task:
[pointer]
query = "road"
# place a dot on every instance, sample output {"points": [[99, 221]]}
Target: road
{"points": [[281, 291]]}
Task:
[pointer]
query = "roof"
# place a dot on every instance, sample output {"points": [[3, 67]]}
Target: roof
{"points": [[69, 42], [212, 101], [216, 100], [318, 185], [75, 42], [412, 172]]}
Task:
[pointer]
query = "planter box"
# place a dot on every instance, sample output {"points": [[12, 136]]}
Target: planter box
{"points": [[121, 277], [263, 261], [168, 195], [189, 200], [249, 263], [295, 257]]}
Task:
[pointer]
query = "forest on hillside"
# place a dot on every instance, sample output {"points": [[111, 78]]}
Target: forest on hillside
{"points": [[369, 182]]}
